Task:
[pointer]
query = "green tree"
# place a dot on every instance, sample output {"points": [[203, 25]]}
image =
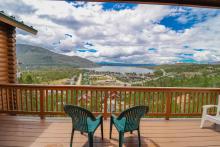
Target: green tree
{"points": [[29, 79]]}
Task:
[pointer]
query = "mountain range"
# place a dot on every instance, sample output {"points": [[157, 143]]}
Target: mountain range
{"points": [[35, 57]]}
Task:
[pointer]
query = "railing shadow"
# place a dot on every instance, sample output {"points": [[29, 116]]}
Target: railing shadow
{"points": [[130, 141]]}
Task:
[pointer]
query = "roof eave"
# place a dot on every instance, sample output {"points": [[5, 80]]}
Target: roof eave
{"points": [[11, 21]]}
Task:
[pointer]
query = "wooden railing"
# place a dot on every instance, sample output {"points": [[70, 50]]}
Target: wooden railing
{"points": [[49, 100]]}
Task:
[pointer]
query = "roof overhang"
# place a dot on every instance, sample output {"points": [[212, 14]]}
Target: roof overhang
{"points": [[192, 3], [13, 22]]}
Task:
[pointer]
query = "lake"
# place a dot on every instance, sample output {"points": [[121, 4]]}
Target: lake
{"points": [[121, 69]]}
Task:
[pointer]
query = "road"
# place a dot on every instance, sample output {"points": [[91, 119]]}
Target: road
{"points": [[79, 79], [164, 72]]}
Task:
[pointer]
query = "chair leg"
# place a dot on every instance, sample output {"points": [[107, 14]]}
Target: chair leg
{"points": [[111, 123], [121, 138], [71, 139], [139, 137], [90, 135], [102, 127], [202, 123]]}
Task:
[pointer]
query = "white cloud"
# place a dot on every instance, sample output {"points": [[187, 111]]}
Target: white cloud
{"points": [[118, 36]]}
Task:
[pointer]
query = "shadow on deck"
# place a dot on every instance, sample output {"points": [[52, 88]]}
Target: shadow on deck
{"points": [[55, 132]]}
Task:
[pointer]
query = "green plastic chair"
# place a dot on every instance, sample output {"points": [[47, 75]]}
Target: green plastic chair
{"points": [[128, 121], [83, 121]]}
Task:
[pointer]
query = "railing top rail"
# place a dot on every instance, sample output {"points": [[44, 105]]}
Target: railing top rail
{"points": [[122, 88]]}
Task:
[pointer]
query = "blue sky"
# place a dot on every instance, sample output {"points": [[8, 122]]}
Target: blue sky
{"points": [[121, 32]]}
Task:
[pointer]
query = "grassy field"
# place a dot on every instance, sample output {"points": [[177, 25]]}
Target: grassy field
{"points": [[47, 75]]}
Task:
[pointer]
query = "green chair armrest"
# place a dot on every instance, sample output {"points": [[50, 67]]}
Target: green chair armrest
{"points": [[93, 124], [120, 123], [114, 116], [99, 117]]}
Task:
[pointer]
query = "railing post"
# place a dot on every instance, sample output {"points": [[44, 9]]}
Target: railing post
{"points": [[42, 104], [105, 106], [168, 105]]}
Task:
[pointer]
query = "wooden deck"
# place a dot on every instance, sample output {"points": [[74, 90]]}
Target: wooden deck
{"points": [[55, 132]]}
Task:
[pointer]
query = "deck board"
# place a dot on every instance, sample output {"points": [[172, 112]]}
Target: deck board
{"points": [[55, 132]]}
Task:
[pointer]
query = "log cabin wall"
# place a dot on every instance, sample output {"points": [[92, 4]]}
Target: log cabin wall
{"points": [[8, 62], [7, 53]]}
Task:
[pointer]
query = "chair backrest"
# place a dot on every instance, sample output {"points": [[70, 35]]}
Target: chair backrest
{"points": [[79, 117], [133, 116]]}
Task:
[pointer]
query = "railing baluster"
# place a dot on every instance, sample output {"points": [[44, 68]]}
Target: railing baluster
{"points": [[36, 100], [21, 96], [57, 101], [130, 97], [67, 96], [206, 100], [215, 97], [81, 94], [139, 98], [211, 101], [86, 96], [197, 102], [91, 101], [125, 100], [96, 101], [189, 103], [175, 100], [26, 100], [7, 100], [42, 104], [193, 103], [72, 97], [76, 96], [115, 99], [184, 105], [105, 106], [46, 104], [61, 106], [202, 103], [162, 102], [120, 96], [30, 90], [101, 99], [135, 97], [52, 101], [144, 100], [153, 102], [157, 101], [168, 104], [110, 101], [149, 101]]}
